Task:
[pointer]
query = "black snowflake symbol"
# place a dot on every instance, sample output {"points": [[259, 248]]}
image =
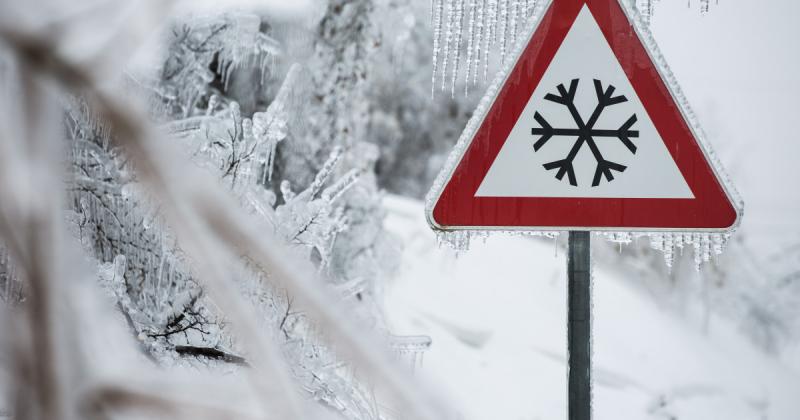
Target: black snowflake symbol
{"points": [[585, 132]]}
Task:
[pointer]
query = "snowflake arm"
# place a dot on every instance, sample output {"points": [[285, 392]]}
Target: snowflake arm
{"points": [[567, 98], [604, 167], [624, 134], [565, 166]]}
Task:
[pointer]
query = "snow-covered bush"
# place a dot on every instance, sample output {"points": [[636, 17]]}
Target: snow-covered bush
{"points": [[288, 139]]}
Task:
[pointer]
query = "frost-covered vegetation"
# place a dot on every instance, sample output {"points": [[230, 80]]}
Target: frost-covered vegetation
{"points": [[273, 109], [218, 176], [316, 193]]}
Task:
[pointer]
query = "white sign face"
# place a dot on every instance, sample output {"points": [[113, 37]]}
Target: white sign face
{"points": [[584, 132]]}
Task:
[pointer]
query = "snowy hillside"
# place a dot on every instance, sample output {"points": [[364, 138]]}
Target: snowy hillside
{"points": [[497, 319]]}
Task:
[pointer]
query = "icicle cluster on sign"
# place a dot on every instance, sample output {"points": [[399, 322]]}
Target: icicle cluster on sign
{"points": [[479, 26], [482, 26], [704, 244], [647, 7]]}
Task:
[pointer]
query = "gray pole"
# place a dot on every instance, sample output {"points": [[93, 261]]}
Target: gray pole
{"points": [[579, 326]]}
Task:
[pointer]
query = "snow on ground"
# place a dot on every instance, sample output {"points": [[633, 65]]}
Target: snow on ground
{"points": [[497, 318]]}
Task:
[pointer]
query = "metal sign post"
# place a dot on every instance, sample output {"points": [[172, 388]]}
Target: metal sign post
{"points": [[579, 326]]}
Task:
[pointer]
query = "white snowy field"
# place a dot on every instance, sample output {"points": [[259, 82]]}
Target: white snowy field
{"points": [[497, 316]]}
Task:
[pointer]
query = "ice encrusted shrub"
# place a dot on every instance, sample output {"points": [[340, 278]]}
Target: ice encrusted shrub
{"points": [[327, 208]]}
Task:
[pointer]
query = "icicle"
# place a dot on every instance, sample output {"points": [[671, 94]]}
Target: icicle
{"points": [[657, 241], [497, 17], [706, 247], [236, 115], [688, 240], [212, 103], [514, 18], [448, 39], [619, 238], [669, 250], [504, 32], [678, 241], [271, 127], [458, 240], [457, 51], [470, 44], [437, 34], [249, 141], [646, 11], [718, 242], [480, 33], [270, 164], [488, 36], [698, 260], [555, 246]]}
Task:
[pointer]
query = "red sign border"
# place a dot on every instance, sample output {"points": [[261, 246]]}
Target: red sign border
{"points": [[489, 100]]}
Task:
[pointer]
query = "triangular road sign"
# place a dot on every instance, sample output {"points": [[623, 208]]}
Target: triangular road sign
{"points": [[583, 132]]}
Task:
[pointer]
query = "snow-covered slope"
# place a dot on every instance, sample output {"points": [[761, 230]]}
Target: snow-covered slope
{"points": [[497, 318]]}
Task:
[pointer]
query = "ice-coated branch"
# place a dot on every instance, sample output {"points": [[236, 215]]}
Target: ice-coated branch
{"points": [[342, 185], [325, 173]]}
